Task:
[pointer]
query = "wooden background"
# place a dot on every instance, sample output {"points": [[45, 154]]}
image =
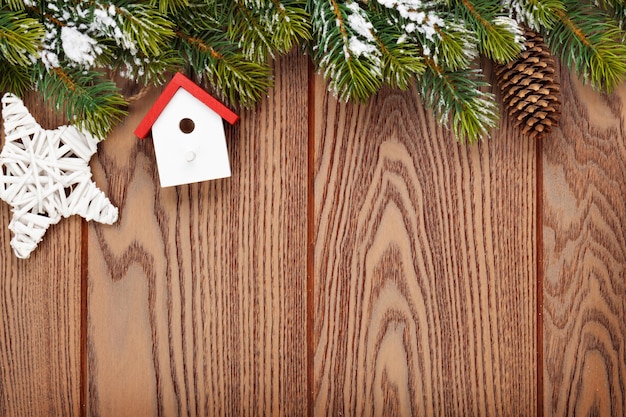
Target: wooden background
{"points": [[358, 262]]}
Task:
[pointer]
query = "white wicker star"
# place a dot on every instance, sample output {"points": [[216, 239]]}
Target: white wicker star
{"points": [[45, 176]]}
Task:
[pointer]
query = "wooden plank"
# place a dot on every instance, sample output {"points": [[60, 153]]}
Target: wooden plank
{"points": [[584, 235], [197, 298], [40, 315], [424, 265]]}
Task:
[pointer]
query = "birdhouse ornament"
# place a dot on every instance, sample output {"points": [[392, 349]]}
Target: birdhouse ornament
{"points": [[188, 133]]}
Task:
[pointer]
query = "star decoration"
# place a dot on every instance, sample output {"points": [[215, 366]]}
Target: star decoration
{"points": [[45, 175]]}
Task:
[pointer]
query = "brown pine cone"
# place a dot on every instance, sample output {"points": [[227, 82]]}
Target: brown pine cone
{"points": [[530, 89]]}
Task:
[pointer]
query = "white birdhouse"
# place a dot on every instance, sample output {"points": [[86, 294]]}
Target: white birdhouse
{"points": [[188, 133]]}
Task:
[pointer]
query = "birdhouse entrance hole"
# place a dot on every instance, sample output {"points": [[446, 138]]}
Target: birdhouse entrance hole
{"points": [[187, 125]]}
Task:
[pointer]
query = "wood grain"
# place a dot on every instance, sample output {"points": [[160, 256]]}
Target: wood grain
{"points": [[197, 298], [40, 314], [422, 271], [424, 265], [584, 234]]}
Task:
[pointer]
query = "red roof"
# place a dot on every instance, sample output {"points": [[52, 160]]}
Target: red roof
{"points": [[177, 82]]}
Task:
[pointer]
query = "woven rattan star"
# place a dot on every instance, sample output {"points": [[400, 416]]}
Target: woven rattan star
{"points": [[45, 176]]}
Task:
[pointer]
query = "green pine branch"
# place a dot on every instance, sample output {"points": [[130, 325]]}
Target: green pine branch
{"points": [[246, 26], [148, 29], [401, 61], [401, 57], [288, 23], [617, 10], [20, 37], [619, 13], [350, 75], [264, 29], [455, 46], [499, 37], [459, 98], [357, 45], [590, 42], [169, 6], [238, 80], [147, 70], [211, 55], [12, 4], [85, 97], [536, 14], [16, 79]]}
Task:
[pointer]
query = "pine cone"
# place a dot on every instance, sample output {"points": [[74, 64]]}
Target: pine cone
{"points": [[529, 88]]}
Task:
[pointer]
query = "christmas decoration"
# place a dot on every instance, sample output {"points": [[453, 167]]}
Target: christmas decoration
{"points": [[65, 50], [45, 176], [188, 133], [530, 90]]}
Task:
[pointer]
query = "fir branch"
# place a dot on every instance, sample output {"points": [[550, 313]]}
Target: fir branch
{"points": [[201, 16], [536, 14], [350, 76], [400, 59], [146, 27], [617, 10], [72, 38], [459, 97], [12, 4], [147, 69], [88, 100], [238, 80], [16, 79], [289, 24], [247, 27], [454, 46], [44, 16], [590, 42], [499, 37], [169, 6], [436, 33], [358, 45], [20, 37], [212, 55]]}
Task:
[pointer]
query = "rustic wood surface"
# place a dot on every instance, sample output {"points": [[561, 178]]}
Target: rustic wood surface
{"points": [[197, 298], [584, 240], [424, 265], [40, 314], [358, 262]]}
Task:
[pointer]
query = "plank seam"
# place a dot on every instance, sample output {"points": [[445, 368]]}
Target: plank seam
{"points": [[84, 259], [539, 248], [310, 304]]}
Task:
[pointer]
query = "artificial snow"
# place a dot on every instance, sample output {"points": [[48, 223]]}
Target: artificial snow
{"points": [[104, 23], [362, 41], [421, 20], [358, 48], [511, 26], [524, 12], [358, 23], [77, 41], [50, 59], [78, 47]]}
